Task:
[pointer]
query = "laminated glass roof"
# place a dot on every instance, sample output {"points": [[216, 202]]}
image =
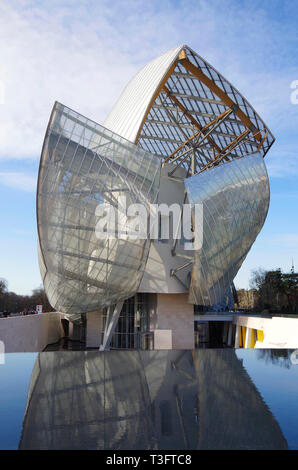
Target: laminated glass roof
{"points": [[180, 108]]}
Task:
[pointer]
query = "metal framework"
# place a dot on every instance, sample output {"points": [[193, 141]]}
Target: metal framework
{"points": [[196, 115], [83, 168]]}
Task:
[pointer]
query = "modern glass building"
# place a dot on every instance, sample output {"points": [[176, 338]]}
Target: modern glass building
{"points": [[182, 137]]}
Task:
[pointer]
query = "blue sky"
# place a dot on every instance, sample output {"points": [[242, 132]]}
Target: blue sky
{"points": [[82, 53]]}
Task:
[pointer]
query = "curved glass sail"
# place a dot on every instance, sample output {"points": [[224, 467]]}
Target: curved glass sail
{"points": [[87, 174], [234, 198]]}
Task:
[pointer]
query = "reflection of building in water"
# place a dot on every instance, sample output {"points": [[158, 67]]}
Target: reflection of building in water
{"points": [[146, 400]]}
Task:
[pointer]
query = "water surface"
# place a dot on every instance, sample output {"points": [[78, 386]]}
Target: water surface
{"points": [[202, 399]]}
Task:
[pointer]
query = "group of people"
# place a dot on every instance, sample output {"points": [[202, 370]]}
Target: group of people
{"points": [[26, 311]]}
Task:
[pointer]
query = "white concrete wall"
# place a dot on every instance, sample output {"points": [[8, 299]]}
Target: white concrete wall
{"points": [[163, 339], [173, 312], [93, 329], [30, 333], [160, 261], [279, 332], [257, 323]]}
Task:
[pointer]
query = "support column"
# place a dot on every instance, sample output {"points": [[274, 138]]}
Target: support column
{"points": [[230, 333], [224, 333], [175, 316], [248, 338], [111, 322], [237, 336]]}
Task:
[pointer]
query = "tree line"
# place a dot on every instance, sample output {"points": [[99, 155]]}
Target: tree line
{"points": [[14, 303], [272, 291]]}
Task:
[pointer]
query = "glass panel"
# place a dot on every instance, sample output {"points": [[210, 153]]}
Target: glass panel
{"points": [[82, 166], [235, 200]]}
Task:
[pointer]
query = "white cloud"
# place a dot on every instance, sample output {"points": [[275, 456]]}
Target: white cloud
{"points": [[18, 180], [43, 60], [286, 240], [83, 54], [285, 195], [282, 160]]}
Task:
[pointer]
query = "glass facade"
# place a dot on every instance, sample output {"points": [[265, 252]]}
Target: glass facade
{"points": [[83, 166], [235, 200], [194, 119], [133, 327], [179, 114]]}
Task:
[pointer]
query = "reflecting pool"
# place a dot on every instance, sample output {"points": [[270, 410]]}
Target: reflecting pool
{"points": [[201, 399]]}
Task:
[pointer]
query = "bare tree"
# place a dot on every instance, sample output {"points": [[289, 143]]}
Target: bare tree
{"points": [[3, 285], [257, 278]]}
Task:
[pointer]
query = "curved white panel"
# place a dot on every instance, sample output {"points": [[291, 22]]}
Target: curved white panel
{"points": [[127, 114]]}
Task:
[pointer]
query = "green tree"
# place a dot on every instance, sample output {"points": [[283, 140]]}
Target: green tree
{"points": [[275, 291]]}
